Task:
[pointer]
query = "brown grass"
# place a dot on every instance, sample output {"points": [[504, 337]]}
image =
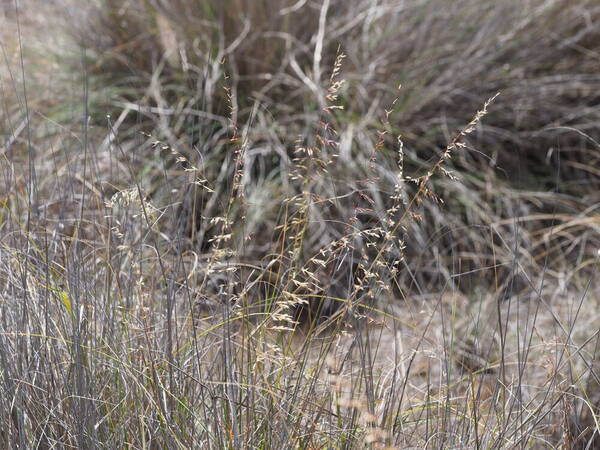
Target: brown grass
{"points": [[268, 244]]}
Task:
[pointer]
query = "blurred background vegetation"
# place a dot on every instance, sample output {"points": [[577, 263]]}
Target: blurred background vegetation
{"points": [[536, 153]]}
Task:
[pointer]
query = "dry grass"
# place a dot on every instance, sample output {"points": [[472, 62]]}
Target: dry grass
{"points": [[268, 244]]}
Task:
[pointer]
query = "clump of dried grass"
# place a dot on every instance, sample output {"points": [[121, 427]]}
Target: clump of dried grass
{"points": [[171, 312], [169, 62], [542, 56]]}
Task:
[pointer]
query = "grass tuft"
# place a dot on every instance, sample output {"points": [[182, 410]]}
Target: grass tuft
{"points": [[226, 225]]}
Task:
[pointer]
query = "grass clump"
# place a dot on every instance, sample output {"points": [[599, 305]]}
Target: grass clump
{"points": [[236, 235]]}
